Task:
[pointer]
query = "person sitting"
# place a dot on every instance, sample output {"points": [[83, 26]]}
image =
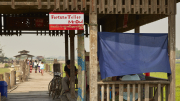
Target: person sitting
{"points": [[66, 79]]}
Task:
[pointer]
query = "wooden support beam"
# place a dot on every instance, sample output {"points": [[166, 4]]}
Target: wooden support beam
{"points": [[137, 8], [66, 5], [1, 77], [66, 45], [39, 4], [83, 4], [81, 67], [128, 6], [7, 79], [101, 6], [118, 6], [48, 4], [13, 4], [172, 58], [1, 25], [13, 78], [137, 29], [72, 70], [57, 4], [93, 56], [110, 6]]}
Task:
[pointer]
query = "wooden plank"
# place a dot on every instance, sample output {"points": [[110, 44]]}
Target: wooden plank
{"points": [[72, 70], [167, 93], [146, 6], [102, 6], [162, 6], [159, 92], [48, 4], [57, 4], [128, 92], [102, 92], [121, 87], [13, 4], [172, 41], [153, 6], [137, 9], [93, 55], [110, 6], [146, 92], [83, 4], [65, 5], [39, 4], [107, 93], [66, 45], [134, 92], [128, 6], [113, 93], [134, 82], [118, 6], [162, 94]]}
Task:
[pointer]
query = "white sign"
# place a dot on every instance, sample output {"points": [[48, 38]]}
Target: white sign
{"points": [[66, 21]]}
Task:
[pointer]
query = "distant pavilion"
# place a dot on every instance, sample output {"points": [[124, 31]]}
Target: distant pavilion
{"points": [[23, 55]]}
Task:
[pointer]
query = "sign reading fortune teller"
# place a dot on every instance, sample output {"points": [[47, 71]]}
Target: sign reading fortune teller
{"points": [[66, 21]]}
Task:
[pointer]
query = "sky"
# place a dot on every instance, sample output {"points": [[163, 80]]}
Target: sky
{"points": [[54, 46]]}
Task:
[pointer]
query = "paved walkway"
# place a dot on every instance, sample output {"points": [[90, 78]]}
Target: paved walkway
{"points": [[35, 89]]}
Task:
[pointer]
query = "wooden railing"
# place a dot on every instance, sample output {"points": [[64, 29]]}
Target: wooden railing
{"points": [[147, 90], [103, 6]]}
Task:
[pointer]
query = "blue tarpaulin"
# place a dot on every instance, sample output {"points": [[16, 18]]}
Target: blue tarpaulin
{"points": [[132, 53]]}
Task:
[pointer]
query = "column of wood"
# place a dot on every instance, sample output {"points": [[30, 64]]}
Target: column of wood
{"points": [[81, 67], [13, 78], [66, 46], [93, 53], [1, 77], [72, 70], [7, 79]]}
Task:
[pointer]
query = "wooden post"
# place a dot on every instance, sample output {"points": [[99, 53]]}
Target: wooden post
{"points": [[172, 47], [93, 52], [24, 70], [81, 68], [72, 70], [7, 79], [137, 29], [66, 46], [13, 78], [1, 77], [0, 96]]}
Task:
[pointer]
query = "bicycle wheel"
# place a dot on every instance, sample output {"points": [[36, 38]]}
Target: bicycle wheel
{"points": [[59, 88], [49, 87], [55, 89]]}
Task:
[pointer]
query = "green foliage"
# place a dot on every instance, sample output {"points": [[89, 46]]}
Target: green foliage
{"points": [[177, 54], [43, 60], [6, 65], [4, 70]]}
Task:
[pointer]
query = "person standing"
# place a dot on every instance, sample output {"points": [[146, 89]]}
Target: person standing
{"points": [[42, 68], [35, 66], [39, 66], [30, 65], [66, 79]]}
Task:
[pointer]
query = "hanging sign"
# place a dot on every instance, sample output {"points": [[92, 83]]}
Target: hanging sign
{"points": [[39, 22], [125, 20], [66, 21]]}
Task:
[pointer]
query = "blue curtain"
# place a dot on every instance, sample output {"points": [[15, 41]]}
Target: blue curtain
{"points": [[132, 53]]}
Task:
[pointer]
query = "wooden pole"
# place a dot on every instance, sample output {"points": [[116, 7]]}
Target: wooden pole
{"points": [[1, 77], [66, 46], [172, 58], [81, 67], [72, 70], [137, 29], [13, 78], [93, 55], [172, 48], [7, 79]]}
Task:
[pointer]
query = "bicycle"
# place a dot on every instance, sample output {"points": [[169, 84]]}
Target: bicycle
{"points": [[55, 85]]}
